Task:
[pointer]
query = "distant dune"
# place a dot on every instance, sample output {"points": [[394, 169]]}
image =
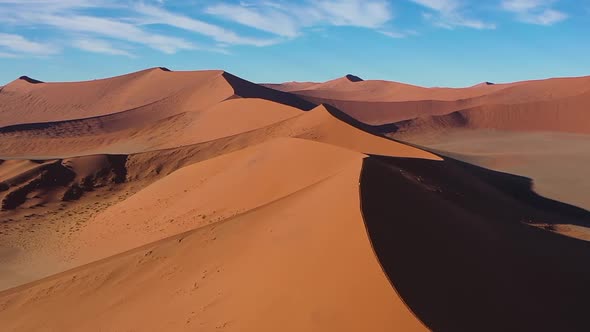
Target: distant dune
{"points": [[183, 201], [555, 104]]}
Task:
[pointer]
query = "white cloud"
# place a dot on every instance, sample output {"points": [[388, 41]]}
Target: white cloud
{"points": [[70, 18], [449, 14], [99, 46], [398, 34], [19, 44], [366, 14], [439, 5], [538, 12], [116, 29], [265, 18], [157, 15], [288, 19]]}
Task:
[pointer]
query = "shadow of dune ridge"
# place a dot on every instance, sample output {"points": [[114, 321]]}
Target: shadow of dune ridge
{"points": [[377, 130], [30, 80], [246, 89], [452, 239]]}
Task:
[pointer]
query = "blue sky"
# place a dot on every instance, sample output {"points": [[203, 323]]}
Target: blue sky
{"points": [[423, 42]]}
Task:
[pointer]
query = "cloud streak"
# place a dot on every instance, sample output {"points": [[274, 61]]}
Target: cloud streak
{"points": [[158, 15], [20, 45], [449, 14], [539, 12], [99, 46], [114, 29], [289, 19]]}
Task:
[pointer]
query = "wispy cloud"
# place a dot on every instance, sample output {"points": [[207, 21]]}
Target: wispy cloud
{"points": [[538, 12], [289, 19], [65, 16], [158, 15], [99, 46], [449, 14], [265, 17], [20, 45], [113, 29], [398, 34]]}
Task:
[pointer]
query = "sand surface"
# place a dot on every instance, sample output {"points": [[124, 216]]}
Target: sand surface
{"points": [[284, 256], [171, 201]]}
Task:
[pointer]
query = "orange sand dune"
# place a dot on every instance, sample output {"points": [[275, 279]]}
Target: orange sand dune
{"points": [[46, 102], [198, 194], [186, 147], [511, 106], [351, 88], [86, 174], [568, 114], [133, 133], [280, 263], [228, 118], [26, 102]]}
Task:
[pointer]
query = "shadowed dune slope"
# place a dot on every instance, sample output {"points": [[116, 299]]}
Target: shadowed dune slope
{"points": [[305, 258], [465, 258]]}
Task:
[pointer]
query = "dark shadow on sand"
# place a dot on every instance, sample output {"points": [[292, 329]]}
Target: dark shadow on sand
{"points": [[248, 89], [453, 240]]}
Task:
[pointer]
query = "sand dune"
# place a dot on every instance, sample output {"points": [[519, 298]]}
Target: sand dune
{"points": [[163, 200], [47, 102], [198, 195], [554, 104], [352, 88], [131, 114], [212, 275], [562, 115], [171, 92], [137, 131], [90, 176]]}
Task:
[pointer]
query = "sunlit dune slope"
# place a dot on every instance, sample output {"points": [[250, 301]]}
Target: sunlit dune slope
{"points": [[302, 258]]}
